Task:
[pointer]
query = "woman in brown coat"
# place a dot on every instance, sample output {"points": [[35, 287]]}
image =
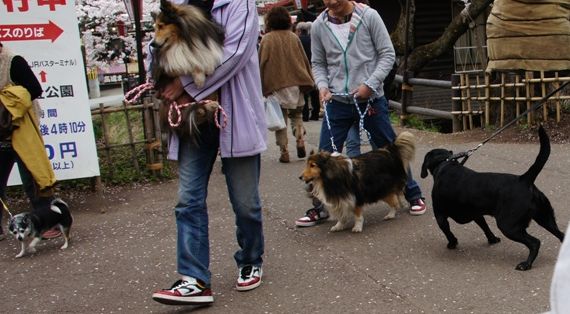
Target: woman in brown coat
{"points": [[285, 75]]}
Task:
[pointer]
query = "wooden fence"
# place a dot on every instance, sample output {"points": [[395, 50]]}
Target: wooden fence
{"points": [[500, 97], [143, 136], [481, 99]]}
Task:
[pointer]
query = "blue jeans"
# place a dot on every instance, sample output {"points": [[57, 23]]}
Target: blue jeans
{"points": [[353, 141], [344, 117], [242, 174]]}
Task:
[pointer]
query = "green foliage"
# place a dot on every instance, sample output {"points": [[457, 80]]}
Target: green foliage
{"points": [[414, 122]]}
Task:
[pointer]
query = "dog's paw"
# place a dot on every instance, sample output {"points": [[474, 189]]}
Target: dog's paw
{"points": [[390, 216], [494, 240], [357, 229], [31, 250], [338, 227], [20, 254], [523, 266], [64, 246], [452, 245]]}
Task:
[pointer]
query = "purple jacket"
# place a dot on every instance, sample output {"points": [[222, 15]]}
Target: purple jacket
{"points": [[239, 81]]}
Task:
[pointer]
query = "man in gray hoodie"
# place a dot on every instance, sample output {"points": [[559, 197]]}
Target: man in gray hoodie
{"points": [[351, 56]]}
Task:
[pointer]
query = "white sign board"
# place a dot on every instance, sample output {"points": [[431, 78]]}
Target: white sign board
{"points": [[46, 34]]}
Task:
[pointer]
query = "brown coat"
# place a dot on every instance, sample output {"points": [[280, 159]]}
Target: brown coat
{"points": [[283, 63]]}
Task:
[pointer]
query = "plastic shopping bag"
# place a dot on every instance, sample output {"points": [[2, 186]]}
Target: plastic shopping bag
{"points": [[273, 114]]}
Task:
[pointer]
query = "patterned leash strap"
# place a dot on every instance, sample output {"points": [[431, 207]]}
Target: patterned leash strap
{"points": [[174, 108], [136, 93], [6, 208], [361, 116]]}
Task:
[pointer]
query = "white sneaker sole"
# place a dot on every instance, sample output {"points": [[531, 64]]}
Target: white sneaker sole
{"points": [[417, 212], [174, 300], [250, 287]]}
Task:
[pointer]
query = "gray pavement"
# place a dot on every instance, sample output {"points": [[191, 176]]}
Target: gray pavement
{"points": [[118, 258]]}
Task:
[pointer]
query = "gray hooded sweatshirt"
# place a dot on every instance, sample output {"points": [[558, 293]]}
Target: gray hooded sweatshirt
{"points": [[368, 57]]}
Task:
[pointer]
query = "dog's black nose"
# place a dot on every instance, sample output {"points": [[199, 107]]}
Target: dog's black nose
{"points": [[153, 44], [301, 178]]}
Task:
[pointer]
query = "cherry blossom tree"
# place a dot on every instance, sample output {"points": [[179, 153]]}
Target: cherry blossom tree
{"points": [[98, 23]]}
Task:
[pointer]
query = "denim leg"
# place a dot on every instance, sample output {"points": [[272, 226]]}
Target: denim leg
{"points": [[380, 128], [194, 168], [242, 177], [353, 141], [342, 117]]}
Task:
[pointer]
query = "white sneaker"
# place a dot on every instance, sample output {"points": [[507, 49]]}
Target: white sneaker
{"points": [[249, 278]]}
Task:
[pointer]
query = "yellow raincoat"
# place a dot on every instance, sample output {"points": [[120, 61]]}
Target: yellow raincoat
{"points": [[26, 138]]}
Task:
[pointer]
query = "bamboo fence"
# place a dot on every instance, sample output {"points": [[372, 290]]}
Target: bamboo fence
{"points": [[500, 97]]}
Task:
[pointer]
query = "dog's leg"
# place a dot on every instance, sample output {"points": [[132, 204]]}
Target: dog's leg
{"points": [[23, 250], [199, 78], [66, 236], [491, 238], [33, 243], [520, 235], [394, 202], [339, 226], [444, 226], [358, 220]]}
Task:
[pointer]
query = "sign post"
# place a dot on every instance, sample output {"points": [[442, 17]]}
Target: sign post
{"points": [[53, 50]]}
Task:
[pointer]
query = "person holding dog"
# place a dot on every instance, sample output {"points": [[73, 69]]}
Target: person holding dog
{"points": [[352, 54], [19, 87], [285, 75], [236, 82]]}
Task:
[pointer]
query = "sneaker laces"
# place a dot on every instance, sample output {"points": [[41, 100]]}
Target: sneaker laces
{"points": [[180, 283], [246, 272], [312, 212]]}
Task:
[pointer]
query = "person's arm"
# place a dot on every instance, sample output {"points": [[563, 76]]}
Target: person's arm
{"points": [[384, 49], [319, 63], [241, 27], [22, 75]]}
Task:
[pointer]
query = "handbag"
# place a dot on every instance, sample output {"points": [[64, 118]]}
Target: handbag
{"points": [[273, 114]]}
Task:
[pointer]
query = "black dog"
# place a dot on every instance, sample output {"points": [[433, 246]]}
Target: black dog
{"points": [[465, 195]]}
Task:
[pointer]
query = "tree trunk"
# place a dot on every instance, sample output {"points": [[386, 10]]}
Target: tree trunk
{"points": [[398, 36], [422, 55]]}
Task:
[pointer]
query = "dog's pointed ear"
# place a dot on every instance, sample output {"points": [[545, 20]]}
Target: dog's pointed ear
{"points": [[312, 152]]}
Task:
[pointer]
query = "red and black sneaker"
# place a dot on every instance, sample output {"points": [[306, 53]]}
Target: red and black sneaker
{"points": [[249, 278], [312, 217], [417, 207], [185, 292]]}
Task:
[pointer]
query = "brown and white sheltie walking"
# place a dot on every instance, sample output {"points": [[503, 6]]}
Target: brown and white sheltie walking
{"points": [[344, 185]]}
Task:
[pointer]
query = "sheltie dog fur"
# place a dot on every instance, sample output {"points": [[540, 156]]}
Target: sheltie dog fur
{"points": [[344, 185], [187, 42]]}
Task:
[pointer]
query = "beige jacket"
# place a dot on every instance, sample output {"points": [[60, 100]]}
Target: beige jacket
{"points": [[283, 63]]}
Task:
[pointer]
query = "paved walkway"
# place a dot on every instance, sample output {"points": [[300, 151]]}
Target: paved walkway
{"points": [[118, 258]]}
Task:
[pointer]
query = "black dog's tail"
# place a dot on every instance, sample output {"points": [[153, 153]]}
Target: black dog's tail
{"points": [[541, 159]]}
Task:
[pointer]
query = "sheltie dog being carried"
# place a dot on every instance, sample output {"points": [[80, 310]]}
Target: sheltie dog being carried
{"points": [[186, 41], [344, 185]]}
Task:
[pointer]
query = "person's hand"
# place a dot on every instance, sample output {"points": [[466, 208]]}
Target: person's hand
{"points": [[172, 91], [362, 92], [324, 94]]}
